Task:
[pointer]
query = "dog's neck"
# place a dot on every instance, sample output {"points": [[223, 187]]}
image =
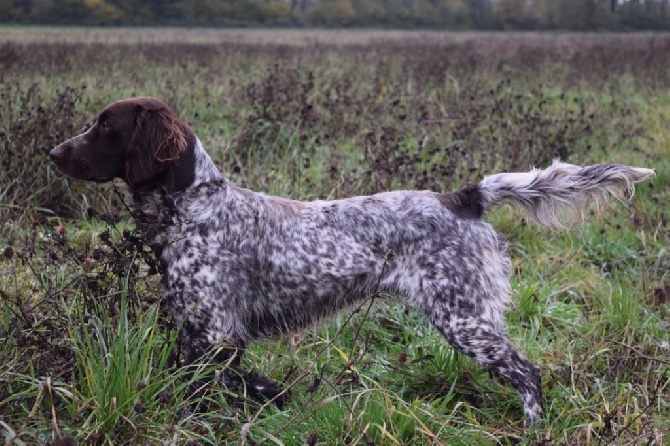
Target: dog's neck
{"points": [[204, 168], [160, 207]]}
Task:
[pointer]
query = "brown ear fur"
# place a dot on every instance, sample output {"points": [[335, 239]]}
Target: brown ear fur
{"points": [[158, 139]]}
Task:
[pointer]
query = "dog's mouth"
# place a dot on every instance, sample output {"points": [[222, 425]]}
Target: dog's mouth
{"points": [[68, 173], [63, 170]]}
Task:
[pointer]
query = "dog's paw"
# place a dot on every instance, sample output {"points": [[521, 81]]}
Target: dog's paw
{"points": [[258, 386], [268, 389]]}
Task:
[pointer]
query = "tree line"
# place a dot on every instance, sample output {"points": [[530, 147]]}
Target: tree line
{"points": [[576, 15]]}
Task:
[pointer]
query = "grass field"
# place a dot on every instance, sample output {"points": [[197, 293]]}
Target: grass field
{"points": [[86, 351]]}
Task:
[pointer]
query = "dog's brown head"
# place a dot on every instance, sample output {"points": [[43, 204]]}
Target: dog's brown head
{"points": [[139, 140]]}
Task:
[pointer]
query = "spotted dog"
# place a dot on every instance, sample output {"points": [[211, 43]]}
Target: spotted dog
{"points": [[239, 265]]}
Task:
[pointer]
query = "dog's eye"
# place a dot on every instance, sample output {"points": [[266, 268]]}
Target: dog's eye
{"points": [[105, 127]]}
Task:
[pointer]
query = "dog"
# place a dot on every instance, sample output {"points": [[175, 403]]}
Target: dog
{"points": [[239, 265]]}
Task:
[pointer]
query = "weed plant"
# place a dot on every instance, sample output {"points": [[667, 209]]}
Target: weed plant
{"points": [[86, 352]]}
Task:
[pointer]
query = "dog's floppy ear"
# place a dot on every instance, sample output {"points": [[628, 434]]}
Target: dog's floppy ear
{"points": [[158, 139]]}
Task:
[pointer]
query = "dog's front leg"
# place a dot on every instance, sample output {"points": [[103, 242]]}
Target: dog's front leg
{"points": [[201, 352]]}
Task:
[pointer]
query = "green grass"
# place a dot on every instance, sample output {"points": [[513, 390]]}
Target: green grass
{"points": [[86, 351]]}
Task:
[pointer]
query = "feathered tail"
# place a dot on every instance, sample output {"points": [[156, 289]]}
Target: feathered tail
{"points": [[555, 194]]}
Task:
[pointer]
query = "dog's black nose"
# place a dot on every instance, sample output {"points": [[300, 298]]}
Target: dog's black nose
{"points": [[57, 153]]}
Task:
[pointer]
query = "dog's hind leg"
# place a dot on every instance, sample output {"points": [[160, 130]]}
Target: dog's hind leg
{"points": [[464, 292], [479, 339]]}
